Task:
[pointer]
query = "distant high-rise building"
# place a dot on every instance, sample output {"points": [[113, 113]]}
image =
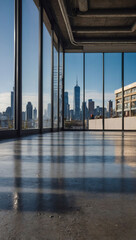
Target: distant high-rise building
{"points": [[49, 110], [77, 102], [23, 116], [98, 111], [90, 108], [35, 113], [8, 113], [12, 104], [45, 115], [68, 112], [84, 108], [71, 114], [65, 104], [109, 108], [29, 111]]}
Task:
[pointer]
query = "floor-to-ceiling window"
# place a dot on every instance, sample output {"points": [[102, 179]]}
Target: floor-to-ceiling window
{"points": [[55, 82], [113, 90], [30, 57], [93, 90], [46, 72], [60, 85], [73, 95], [130, 91], [7, 84]]}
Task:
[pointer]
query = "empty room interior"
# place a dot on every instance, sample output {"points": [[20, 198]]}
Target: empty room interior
{"points": [[67, 120]]}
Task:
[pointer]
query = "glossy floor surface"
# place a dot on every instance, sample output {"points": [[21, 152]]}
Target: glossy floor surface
{"points": [[68, 186]]}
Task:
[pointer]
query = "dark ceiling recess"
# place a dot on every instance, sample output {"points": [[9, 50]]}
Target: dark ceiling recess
{"points": [[95, 25]]}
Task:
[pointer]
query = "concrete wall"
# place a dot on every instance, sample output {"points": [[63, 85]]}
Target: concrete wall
{"points": [[95, 124], [113, 123], [130, 123]]}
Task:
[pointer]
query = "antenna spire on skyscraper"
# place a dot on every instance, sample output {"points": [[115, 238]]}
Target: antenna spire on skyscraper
{"points": [[77, 81]]}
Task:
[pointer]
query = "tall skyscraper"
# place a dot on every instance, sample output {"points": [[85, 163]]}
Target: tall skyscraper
{"points": [[90, 107], [71, 112], [84, 108], [65, 104], [35, 113], [29, 111], [23, 116], [68, 112], [8, 113], [109, 108], [12, 104], [49, 110], [77, 102]]}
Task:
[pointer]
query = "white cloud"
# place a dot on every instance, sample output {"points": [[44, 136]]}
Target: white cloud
{"points": [[94, 95], [5, 100], [33, 98], [97, 96]]}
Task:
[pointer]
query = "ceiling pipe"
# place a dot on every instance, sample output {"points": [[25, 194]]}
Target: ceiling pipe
{"points": [[67, 23], [83, 5], [133, 28], [81, 43]]}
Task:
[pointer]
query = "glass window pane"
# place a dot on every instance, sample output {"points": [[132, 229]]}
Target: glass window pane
{"points": [[130, 91], [60, 86], [55, 83], [113, 90], [7, 65], [73, 95], [30, 57], [46, 73], [94, 90]]}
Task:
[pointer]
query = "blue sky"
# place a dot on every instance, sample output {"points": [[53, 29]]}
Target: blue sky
{"points": [[30, 44], [30, 55], [94, 74], [73, 69], [6, 45]]}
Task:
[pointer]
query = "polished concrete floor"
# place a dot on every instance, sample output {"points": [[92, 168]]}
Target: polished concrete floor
{"points": [[68, 186]]}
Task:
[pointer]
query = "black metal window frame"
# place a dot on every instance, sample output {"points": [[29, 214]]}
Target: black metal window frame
{"points": [[18, 131], [103, 97]]}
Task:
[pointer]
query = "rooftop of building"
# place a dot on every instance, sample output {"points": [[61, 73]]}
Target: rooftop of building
{"points": [[132, 85]]}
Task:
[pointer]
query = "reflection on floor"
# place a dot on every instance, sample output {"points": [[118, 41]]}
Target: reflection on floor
{"points": [[68, 185]]}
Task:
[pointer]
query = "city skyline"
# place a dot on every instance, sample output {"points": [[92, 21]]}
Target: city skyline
{"points": [[29, 114], [5, 100], [91, 109], [73, 62]]}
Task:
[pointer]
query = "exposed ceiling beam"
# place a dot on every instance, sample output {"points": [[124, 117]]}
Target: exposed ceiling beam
{"points": [[110, 13], [88, 41], [83, 5], [85, 30], [91, 41]]}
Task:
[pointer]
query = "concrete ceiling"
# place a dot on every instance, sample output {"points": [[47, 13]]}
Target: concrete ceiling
{"points": [[94, 25]]}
